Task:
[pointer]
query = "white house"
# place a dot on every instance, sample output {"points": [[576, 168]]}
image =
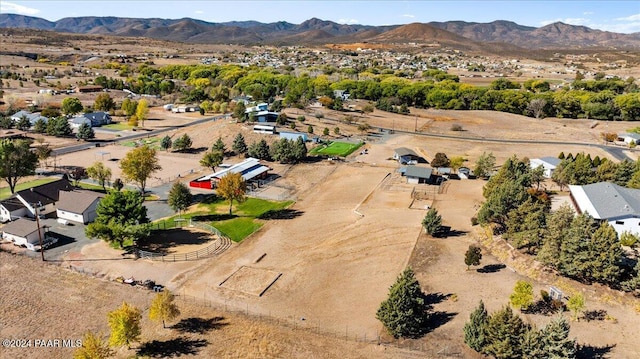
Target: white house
{"points": [[618, 205], [406, 156], [23, 232], [44, 196], [548, 163], [78, 205], [629, 137], [32, 117], [10, 209]]}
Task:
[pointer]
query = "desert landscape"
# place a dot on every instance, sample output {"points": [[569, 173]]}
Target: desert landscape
{"points": [[308, 284]]}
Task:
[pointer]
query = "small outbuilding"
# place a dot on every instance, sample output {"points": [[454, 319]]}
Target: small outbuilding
{"points": [[406, 156], [548, 163], [78, 206], [23, 232], [417, 174]]}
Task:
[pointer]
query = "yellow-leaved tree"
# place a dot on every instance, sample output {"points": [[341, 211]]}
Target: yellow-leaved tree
{"points": [[124, 323], [163, 308], [138, 165], [232, 187], [93, 347]]}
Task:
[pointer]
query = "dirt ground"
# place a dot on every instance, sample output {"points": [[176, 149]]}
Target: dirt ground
{"points": [[333, 267], [33, 309]]}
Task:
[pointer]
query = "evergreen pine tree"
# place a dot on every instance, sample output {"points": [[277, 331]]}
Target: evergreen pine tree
{"points": [[219, 146], [606, 253], [574, 250], [533, 345], [555, 337], [165, 143], [239, 145], [404, 313], [557, 227], [85, 132], [474, 329], [505, 332]]}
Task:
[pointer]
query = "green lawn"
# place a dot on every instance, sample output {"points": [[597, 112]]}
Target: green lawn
{"points": [[243, 222], [336, 148], [153, 142], [238, 228], [118, 126], [5, 192], [93, 187]]}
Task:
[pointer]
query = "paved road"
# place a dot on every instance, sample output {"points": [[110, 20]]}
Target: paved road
{"points": [[616, 152], [86, 145]]}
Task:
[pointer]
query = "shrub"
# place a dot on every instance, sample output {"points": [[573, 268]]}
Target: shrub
{"points": [[456, 127]]}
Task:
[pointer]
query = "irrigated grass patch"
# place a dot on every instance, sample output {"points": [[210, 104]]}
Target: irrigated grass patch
{"points": [[336, 148], [244, 220], [118, 126], [153, 142]]}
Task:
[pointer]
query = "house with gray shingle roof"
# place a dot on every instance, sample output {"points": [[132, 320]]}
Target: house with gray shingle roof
{"points": [[78, 205], [23, 232], [619, 206], [406, 156]]}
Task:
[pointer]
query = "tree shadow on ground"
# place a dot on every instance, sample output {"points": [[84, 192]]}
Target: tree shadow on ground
{"points": [[281, 214], [438, 319], [192, 150], [162, 241], [446, 233], [211, 199], [593, 352], [172, 348], [213, 217], [199, 325], [491, 268], [435, 298]]}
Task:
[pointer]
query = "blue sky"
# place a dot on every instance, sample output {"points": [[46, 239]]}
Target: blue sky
{"points": [[618, 16]]}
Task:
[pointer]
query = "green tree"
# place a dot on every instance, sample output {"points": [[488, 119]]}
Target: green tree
{"points": [[472, 256], [606, 255], [118, 185], [219, 146], [576, 305], [142, 111], [163, 308], [629, 239], [310, 129], [85, 132], [166, 143], [432, 221], [16, 161], [93, 347], [40, 126], [239, 111], [456, 162], [239, 145], [440, 160], [336, 131], [212, 159], [43, 151], [526, 224], [104, 102], [129, 107], [484, 165], [23, 124], [533, 345], [556, 341], [522, 296], [182, 143], [59, 127], [404, 313], [574, 250], [232, 187], [6, 122], [260, 150], [139, 164], [505, 332], [120, 216], [474, 329], [71, 106], [179, 197], [124, 323], [558, 225], [99, 173], [325, 132]]}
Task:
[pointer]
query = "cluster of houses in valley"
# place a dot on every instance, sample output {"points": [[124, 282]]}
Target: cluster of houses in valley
{"points": [[57, 199], [93, 119]]}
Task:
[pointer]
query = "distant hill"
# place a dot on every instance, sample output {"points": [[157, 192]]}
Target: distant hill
{"points": [[501, 34]]}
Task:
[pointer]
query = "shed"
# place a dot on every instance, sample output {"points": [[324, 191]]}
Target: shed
{"points": [[417, 174], [78, 205], [548, 163], [23, 232]]}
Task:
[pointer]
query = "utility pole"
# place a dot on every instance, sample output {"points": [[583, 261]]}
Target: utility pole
{"points": [[35, 206]]}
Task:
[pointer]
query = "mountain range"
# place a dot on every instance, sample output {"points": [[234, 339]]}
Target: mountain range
{"points": [[459, 34]]}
